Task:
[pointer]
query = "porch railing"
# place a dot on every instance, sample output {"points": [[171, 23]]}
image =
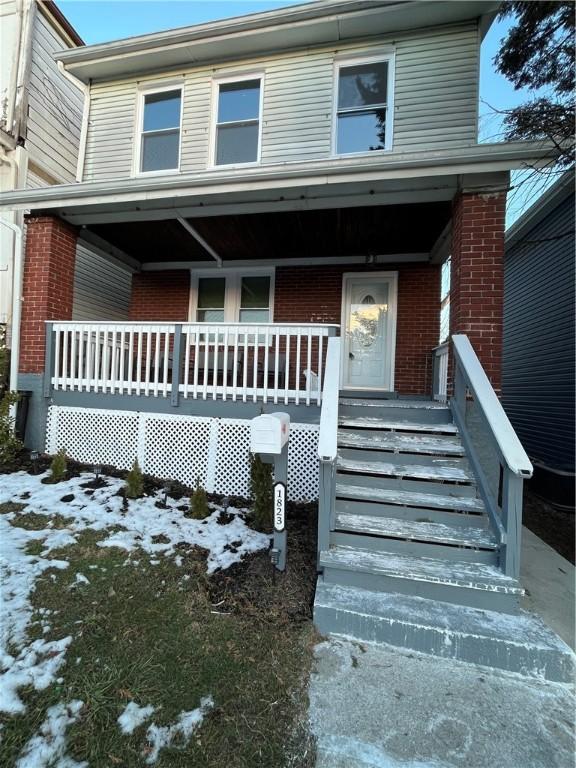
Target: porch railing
{"points": [[493, 448], [280, 363], [440, 372], [328, 443]]}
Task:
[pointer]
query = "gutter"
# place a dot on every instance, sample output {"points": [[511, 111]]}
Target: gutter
{"points": [[511, 155]]}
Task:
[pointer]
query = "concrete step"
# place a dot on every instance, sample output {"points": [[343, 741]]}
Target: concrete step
{"points": [[363, 464], [408, 498], [437, 445], [476, 537], [396, 425], [477, 585], [521, 643]]}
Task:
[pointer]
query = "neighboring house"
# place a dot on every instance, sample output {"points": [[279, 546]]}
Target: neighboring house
{"points": [[538, 374], [41, 110], [286, 186]]}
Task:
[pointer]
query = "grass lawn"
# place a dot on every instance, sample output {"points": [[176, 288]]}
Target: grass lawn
{"points": [[159, 630]]}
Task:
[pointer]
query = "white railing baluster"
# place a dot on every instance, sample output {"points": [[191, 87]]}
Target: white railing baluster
{"points": [[196, 361], [320, 363], [206, 361], [287, 371], [73, 358], [148, 361], [186, 337], [130, 371], [57, 361], [225, 366], [276, 365], [308, 368], [166, 363], [215, 364], [298, 349], [255, 366], [97, 358], [245, 367], [235, 367], [139, 363], [266, 359]]}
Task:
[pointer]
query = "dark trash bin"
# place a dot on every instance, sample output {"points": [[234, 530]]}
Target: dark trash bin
{"points": [[22, 413]]}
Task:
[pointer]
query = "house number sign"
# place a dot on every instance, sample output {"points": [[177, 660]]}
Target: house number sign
{"points": [[279, 506]]}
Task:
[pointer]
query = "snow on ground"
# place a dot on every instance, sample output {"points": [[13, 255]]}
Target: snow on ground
{"points": [[160, 736], [48, 746], [133, 716], [139, 526]]}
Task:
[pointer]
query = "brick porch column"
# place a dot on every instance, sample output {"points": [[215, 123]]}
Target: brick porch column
{"points": [[477, 276], [48, 285]]}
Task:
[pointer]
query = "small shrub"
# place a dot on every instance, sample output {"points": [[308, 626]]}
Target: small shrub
{"points": [[199, 503], [58, 466], [134, 487], [262, 493], [10, 445]]}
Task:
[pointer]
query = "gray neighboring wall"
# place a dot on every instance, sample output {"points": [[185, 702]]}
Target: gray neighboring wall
{"points": [[539, 360]]}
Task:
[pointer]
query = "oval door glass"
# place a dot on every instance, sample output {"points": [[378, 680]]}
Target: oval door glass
{"points": [[366, 333]]}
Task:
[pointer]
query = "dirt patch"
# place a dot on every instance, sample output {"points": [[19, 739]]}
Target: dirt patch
{"points": [[554, 526]]}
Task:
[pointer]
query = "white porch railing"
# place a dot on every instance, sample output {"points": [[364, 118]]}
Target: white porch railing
{"points": [[280, 363], [440, 372]]}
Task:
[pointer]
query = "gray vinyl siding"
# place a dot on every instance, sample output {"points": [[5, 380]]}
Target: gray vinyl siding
{"points": [[101, 288], [54, 107], [436, 99], [539, 362]]}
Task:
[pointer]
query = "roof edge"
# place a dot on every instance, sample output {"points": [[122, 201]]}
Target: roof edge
{"points": [[548, 200]]}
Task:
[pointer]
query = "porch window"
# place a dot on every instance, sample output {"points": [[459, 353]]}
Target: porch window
{"points": [[160, 135], [363, 107], [233, 298], [238, 122]]}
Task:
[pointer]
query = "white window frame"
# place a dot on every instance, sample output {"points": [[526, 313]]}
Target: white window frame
{"points": [[143, 91], [343, 63], [232, 293], [216, 83]]}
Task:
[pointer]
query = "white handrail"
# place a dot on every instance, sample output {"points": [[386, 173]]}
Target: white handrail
{"points": [[328, 437], [512, 452]]}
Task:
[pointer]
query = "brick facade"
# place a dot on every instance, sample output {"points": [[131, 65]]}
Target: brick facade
{"points": [[477, 276], [48, 286], [314, 295], [160, 296]]}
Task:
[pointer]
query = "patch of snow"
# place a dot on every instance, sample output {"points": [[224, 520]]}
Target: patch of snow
{"points": [[137, 527], [48, 746], [161, 736], [133, 716]]}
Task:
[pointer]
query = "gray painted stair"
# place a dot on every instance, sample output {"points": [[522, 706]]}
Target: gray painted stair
{"points": [[395, 442], [522, 644], [408, 498], [421, 405], [369, 422], [398, 469], [461, 536], [477, 585]]}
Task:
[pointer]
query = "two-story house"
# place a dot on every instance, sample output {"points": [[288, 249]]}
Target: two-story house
{"points": [[285, 187]]}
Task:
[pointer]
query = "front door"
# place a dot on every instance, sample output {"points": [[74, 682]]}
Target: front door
{"points": [[369, 326]]}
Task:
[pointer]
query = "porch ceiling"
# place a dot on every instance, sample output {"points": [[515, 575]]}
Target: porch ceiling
{"points": [[336, 232]]}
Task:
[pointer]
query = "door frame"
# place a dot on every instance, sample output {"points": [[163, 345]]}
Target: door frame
{"points": [[392, 278]]}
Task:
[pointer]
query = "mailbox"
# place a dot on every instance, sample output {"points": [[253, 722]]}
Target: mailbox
{"points": [[269, 433]]}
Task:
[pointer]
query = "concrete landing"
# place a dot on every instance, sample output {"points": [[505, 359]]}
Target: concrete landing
{"points": [[372, 706]]}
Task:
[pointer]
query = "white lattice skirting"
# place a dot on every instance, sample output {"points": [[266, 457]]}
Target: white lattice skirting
{"points": [[179, 447]]}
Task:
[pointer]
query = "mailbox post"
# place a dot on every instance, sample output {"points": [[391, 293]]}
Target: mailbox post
{"points": [[269, 435]]}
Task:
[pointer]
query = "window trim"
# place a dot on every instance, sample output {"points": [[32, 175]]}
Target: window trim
{"points": [[143, 91], [217, 81], [343, 63], [232, 290]]}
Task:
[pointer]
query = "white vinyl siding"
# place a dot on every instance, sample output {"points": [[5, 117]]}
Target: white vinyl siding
{"points": [[101, 288], [435, 102], [54, 108]]}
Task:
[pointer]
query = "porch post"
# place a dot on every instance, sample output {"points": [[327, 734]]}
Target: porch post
{"points": [[48, 291], [477, 274]]}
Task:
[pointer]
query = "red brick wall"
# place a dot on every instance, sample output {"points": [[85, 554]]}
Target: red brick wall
{"points": [[477, 277], [160, 296], [314, 295], [48, 287]]}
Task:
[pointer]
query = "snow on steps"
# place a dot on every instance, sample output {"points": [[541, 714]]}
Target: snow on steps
{"points": [[405, 425], [463, 536], [397, 442], [393, 469], [476, 576], [367, 402], [408, 498], [520, 643]]}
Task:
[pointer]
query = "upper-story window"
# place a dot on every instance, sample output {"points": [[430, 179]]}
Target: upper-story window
{"points": [[363, 107], [159, 145], [237, 132]]}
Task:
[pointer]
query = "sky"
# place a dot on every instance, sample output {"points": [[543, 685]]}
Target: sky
{"points": [[98, 21]]}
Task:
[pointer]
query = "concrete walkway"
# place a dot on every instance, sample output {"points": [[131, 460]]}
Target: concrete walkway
{"points": [[374, 706], [377, 707]]}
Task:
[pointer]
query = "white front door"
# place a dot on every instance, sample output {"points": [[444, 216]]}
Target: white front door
{"points": [[369, 329]]}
